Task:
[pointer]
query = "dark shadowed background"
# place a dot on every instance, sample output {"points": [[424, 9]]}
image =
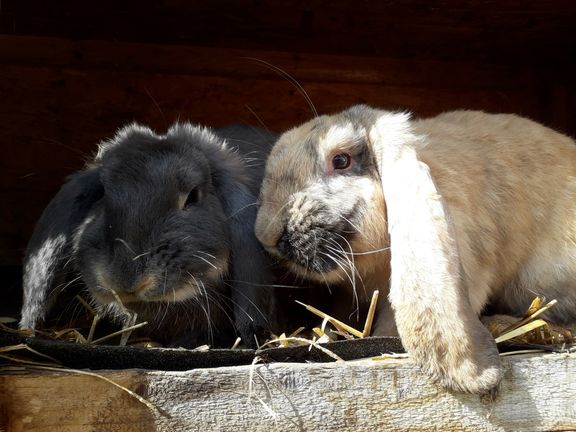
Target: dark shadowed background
{"points": [[72, 72]]}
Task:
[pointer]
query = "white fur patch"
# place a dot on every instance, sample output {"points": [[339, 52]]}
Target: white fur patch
{"points": [[38, 275], [79, 231], [201, 132], [121, 135], [40, 264], [390, 134], [339, 136]]}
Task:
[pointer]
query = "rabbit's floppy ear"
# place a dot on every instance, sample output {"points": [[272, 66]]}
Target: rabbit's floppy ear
{"points": [[430, 300], [50, 247]]}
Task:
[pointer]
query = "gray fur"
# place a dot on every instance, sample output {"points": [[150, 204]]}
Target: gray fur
{"points": [[120, 224]]}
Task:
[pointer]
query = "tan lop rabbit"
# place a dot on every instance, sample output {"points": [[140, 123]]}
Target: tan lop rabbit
{"points": [[449, 213]]}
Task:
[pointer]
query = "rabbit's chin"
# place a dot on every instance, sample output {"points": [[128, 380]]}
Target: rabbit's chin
{"points": [[334, 275], [156, 287], [363, 267], [132, 300], [361, 257]]}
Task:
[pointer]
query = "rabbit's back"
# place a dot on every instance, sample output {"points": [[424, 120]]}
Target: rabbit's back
{"points": [[510, 186]]}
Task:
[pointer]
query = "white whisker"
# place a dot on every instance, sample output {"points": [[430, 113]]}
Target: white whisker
{"points": [[206, 261], [137, 257], [125, 243], [289, 78]]}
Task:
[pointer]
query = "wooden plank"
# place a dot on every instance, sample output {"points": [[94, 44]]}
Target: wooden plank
{"points": [[538, 393], [505, 30], [236, 62]]}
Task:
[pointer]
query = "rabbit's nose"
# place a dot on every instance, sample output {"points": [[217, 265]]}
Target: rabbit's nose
{"points": [[143, 285]]}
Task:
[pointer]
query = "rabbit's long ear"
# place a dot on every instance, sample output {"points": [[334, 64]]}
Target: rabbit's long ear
{"points": [[50, 247], [430, 301]]}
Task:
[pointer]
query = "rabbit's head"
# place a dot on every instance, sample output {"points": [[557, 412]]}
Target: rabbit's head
{"points": [[153, 225], [321, 203], [159, 232]]}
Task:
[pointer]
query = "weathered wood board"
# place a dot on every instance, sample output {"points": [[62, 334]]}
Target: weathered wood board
{"points": [[495, 30], [538, 393]]}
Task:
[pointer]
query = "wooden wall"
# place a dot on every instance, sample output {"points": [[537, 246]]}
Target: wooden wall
{"points": [[72, 72]]}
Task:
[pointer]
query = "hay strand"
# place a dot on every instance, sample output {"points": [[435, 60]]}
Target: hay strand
{"points": [[336, 323], [521, 330], [93, 328], [534, 310], [236, 343], [119, 332], [370, 317], [128, 329], [25, 347], [304, 341]]}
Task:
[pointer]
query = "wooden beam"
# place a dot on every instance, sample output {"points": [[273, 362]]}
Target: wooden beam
{"points": [[241, 63], [538, 393], [495, 30]]}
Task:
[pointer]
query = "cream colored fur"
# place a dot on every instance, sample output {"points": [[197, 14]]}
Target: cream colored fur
{"points": [[479, 208]]}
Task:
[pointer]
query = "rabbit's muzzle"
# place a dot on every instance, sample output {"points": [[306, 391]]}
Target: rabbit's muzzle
{"points": [[315, 237]]}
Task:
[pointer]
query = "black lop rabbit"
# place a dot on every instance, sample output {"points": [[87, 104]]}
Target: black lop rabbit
{"points": [[161, 225]]}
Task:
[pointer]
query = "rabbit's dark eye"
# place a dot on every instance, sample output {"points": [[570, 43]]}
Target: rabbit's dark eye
{"points": [[194, 197], [341, 161]]}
